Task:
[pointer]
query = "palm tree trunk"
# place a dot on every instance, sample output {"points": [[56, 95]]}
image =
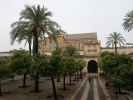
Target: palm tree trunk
{"points": [[54, 88], [35, 44], [29, 42], [115, 48]]}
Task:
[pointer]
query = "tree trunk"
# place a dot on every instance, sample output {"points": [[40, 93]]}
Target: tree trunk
{"points": [[54, 88], [81, 77], [75, 76], [35, 44], [29, 42], [70, 80], [37, 82], [78, 76], [115, 43], [64, 83], [119, 90], [24, 80], [0, 88], [58, 79]]}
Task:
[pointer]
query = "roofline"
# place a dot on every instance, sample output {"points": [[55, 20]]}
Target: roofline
{"points": [[113, 48], [80, 33]]}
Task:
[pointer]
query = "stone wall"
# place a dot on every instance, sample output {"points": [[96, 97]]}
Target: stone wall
{"points": [[124, 50]]}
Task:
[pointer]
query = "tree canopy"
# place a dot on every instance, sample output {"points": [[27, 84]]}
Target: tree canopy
{"points": [[115, 40], [128, 21]]}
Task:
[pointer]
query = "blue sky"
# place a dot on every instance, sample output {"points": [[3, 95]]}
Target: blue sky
{"points": [[75, 16]]}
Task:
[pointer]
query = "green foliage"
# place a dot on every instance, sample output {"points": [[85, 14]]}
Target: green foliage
{"points": [[108, 62], [5, 70], [115, 39], [70, 65], [70, 51], [81, 63], [34, 23], [20, 62], [119, 68], [118, 83], [55, 66], [128, 21], [39, 65]]}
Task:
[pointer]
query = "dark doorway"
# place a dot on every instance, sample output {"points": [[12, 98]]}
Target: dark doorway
{"points": [[92, 66]]}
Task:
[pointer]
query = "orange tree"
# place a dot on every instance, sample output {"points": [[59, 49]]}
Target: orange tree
{"points": [[5, 71], [119, 69], [20, 64], [38, 68], [81, 64], [54, 68], [34, 23], [68, 69]]}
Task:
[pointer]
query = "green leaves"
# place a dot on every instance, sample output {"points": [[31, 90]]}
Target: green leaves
{"points": [[39, 65], [20, 62], [34, 24], [70, 51], [55, 66], [115, 40], [5, 70], [128, 21], [119, 68]]}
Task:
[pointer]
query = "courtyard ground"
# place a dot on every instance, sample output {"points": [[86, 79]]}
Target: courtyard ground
{"points": [[12, 91]]}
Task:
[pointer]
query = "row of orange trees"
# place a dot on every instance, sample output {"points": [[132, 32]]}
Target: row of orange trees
{"points": [[60, 64], [119, 70], [35, 24]]}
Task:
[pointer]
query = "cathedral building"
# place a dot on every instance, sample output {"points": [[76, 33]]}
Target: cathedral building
{"points": [[86, 43]]}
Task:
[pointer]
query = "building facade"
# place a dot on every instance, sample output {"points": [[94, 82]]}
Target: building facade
{"points": [[121, 50], [86, 43]]}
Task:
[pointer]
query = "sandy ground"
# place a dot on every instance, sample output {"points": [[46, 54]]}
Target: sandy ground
{"points": [[13, 92]]}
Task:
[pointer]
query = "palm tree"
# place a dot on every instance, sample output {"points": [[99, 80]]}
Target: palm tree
{"points": [[37, 20], [20, 33], [128, 21], [115, 39], [20, 64]]}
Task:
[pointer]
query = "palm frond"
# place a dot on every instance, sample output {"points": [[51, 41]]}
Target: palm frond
{"points": [[128, 21], [115, 38]]}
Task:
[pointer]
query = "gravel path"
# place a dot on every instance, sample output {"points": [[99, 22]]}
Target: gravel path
{"points": [[90, 95], [100, 91]]}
